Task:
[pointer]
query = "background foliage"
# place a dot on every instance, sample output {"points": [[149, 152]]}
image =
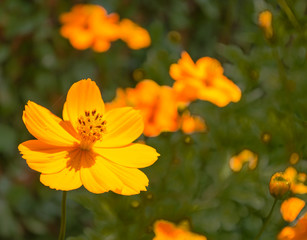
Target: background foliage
{"points": [[191, 180]]}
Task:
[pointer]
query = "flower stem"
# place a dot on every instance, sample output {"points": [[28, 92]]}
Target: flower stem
{"points": [[266, 220], [284, 5], [63, 217]]}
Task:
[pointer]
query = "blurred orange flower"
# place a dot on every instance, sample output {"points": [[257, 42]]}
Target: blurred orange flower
{"points": [[265, 22], [156, 103], [290, 208], [236, 162], [202, 80], [297, 180], [165, 230], [190, 124], [135, 36], [89, 25], [89, 146], [298, 232]]}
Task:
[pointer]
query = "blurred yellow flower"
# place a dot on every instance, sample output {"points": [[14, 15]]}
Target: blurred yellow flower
{"points": [[190, 124], [89, 25], [297, 232], [236, 162], [297, 180], [266, 137], [202, 80], [265, 22], [165, 230], [157, 105], [279, 185], [290, 208], [89, 147], [135, 36]]}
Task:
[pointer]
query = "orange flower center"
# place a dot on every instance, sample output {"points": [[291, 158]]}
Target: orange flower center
{"points": [[91, 127]]}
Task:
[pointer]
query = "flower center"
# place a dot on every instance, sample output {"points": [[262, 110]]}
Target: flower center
{"points": [[91, 127]]}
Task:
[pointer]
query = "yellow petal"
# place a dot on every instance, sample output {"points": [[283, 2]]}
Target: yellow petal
{"points": [[45, 126], [96, 176], [83, 95], [101, 45], [291, 173], [43, 157], [187, 64], [298, 188], [100, 175], [297, 232], [133, 179], [228, 88], [123, 126], [287, 233], [215, 95], [175, 71], [235, 164], [209, 67], [83, 41], [68, 178], [134, 155], [164, 229], [290, 208]]}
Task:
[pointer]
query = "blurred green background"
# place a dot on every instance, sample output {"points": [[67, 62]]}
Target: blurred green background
{"points": [[191, 180]]}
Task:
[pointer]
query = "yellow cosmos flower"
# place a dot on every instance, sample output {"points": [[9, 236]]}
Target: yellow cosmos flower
{"points": [[157, 105], [237, 161], [165, 230], [89, 25], [89, 147], [202, 80]]}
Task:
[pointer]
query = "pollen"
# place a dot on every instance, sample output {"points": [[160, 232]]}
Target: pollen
{"points": [[91, 126]]}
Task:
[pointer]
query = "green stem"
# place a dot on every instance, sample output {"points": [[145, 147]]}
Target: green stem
{"points": [[63, 217], [284, 5], [266, 220], [281, 67]]}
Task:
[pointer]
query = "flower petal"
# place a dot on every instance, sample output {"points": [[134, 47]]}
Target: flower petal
{"points": [[47, 127], [68, 178], [134, 155], [96, 176], [222, 92], [100, 175], [133, 179], [215, 96], [228, 87], [183, 69], [43, 157], [290, 208], [123, 126], [82, 96]]}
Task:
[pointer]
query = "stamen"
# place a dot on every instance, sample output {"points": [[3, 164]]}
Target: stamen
{"points": [[91, 127]]}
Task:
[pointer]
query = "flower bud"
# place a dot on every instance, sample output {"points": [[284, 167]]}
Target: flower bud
{"points": [[265, 22], [279, 185]]}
